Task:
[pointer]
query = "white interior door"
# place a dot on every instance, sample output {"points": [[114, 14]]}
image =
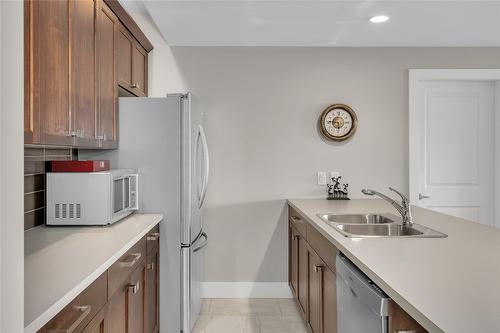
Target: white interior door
{"points": [[452, 147]]}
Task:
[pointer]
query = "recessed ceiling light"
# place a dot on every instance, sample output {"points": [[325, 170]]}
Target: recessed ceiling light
{"points": [[379, 19]]}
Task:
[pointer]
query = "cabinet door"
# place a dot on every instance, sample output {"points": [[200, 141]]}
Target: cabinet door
{"points": [[50, 67], [135, 300], [125, 309], [316, 274], [139, 70], [329, 301], [97, 325], [303, 273], [293, 245], [107, 25], [152, 292], [82, 73], [400, 321], [125, 45]]}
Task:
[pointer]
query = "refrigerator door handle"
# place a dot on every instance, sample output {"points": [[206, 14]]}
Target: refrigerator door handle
{"points": [[202, 245], [201, 135]]}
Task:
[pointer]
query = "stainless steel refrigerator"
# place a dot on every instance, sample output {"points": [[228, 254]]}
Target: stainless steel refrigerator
{"points": [[164, 139]]}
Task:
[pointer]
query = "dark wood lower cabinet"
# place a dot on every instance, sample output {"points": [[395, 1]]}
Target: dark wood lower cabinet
{"points": [[152, 292], [313, 280], [124, 299], [303, 274], [316, 270], [98, 324]]}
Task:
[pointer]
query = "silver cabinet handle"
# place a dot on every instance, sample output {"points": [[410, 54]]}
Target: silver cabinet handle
{"points": [[153, 236], [421, 197], [296, 237], [135, 85], [134, 287], [150, 266], [130, 263], [295, 218], [85, 311], [318, 268]]}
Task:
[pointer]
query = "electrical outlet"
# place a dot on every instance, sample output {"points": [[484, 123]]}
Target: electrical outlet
{"points": [[321, 178], [334, 174]]}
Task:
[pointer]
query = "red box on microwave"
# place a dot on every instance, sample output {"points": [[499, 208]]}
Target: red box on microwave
{"points": [[78, 166]]}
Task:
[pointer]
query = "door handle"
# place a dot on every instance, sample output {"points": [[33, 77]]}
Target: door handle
{"points": [[205, 243], [206, 157], [84, 312], [421, 196]]}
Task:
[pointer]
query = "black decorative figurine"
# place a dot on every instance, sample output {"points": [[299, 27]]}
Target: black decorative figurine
{"points": [[334, 191]]}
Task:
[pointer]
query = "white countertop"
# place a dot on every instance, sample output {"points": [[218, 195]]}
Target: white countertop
{"points": [[60, 262], [447, 284]]}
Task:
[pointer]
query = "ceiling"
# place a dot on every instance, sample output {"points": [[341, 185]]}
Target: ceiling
{"points": [[324, 23]]}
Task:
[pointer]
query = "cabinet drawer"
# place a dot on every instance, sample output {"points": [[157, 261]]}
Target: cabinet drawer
{"points": [[123, 267], [152, 238], [75, 316], [297, 221], [326, 250]]}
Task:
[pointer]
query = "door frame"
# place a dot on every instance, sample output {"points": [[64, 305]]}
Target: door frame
{"points": [[415, 77]]}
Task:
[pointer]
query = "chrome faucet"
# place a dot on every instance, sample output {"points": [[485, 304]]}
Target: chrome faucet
{"points": [[404, 208]]}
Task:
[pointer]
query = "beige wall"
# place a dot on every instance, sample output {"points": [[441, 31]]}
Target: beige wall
{"points": [[11, 168], [262, 106]]}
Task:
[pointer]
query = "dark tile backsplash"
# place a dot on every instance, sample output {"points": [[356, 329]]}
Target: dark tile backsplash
{"points": [[34, 181]]}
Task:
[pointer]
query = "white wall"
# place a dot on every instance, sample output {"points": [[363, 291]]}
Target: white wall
{"points": [[164, 75], [11, 168], [262, 107]]}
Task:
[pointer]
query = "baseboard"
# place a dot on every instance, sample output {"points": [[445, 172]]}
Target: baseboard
{"points": [[245, 290]]}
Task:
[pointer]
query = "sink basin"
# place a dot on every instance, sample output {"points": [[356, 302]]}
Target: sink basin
{"points": [[356, 218], [387, 230]]}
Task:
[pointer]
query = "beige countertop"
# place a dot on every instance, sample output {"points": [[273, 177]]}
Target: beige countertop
{"points": [[60, 262], [447, 284]]}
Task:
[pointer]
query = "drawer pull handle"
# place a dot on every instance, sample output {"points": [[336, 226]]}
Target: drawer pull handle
{"points": [[134, 287], [151, 266], [130, 263], [296, 237], [318, 268], [135, 85], [153, 236], [85, 311], [295, 219]]}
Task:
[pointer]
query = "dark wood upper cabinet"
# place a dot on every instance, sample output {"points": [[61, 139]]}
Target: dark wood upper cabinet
{"points": [[139, 70], [107, 25], [125, 44], [82, 94], [132, 63], [77, 53], [49, 85]]}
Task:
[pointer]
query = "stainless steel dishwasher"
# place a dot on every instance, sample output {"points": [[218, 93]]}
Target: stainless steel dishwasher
{"points": [[361, 305]]}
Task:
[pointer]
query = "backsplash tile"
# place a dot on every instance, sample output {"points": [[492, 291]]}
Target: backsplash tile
{"points": [[34, 181]]}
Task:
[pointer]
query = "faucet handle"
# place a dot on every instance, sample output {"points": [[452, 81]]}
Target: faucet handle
{"points": [[404, 199]]}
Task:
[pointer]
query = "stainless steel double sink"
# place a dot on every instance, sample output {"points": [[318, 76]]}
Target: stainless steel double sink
{"points": [[377, 225]]}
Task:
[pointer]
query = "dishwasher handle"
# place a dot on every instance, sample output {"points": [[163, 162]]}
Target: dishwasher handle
{"points": [[362, 287]]}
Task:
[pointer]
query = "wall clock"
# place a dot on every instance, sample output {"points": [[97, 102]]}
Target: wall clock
{"points": [[338, 122]]}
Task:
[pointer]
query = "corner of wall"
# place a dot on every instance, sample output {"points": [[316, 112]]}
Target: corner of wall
{"points": [[11, 167]]}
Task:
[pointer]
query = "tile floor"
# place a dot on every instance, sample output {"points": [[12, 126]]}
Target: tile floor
{"points": [[249, 316]]}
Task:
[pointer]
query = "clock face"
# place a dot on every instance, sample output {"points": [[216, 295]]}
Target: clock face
{"points": [[338, 122]]}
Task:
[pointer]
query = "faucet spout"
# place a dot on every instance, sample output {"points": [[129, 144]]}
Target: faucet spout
{"points": [[404, 208]]}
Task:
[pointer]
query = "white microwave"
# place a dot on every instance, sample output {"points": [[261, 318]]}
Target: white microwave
{"points": [[91, 198]]}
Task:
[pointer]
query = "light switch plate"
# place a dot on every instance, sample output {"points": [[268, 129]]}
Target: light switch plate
{"points": [[321, 178]]}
